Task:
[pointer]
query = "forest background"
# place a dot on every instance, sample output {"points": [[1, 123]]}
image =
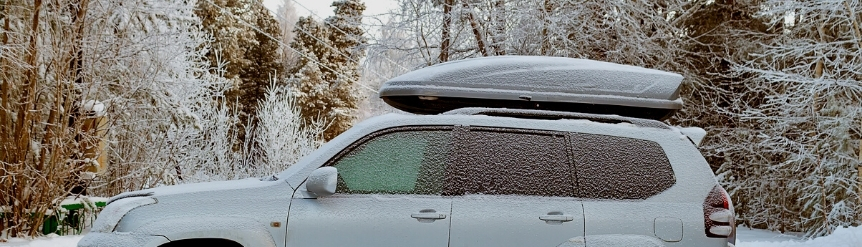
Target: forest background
{"points": [[117, 95]]}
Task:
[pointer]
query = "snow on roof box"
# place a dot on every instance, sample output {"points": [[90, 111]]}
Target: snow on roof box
{"points": [[534, 82]]}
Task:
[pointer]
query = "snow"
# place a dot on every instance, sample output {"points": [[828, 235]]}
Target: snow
{"points": [[111, 214], [757, 235], [696, 134], [48, 241], [842, 237], [93, 108], [532, 75]]}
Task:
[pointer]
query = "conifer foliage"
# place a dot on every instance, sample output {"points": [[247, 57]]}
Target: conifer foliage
{"points": [[327, 73], [252, 56]]}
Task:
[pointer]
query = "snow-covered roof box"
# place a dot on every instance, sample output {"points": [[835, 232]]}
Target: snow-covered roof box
{"points": [[534, 82]]}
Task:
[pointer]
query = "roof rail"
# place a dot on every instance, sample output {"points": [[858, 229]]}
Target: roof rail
{"points": [[554, 115]]}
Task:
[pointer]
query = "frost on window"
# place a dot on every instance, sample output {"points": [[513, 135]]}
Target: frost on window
{"points": [[510, 162], [404, 162], [610, 167]]}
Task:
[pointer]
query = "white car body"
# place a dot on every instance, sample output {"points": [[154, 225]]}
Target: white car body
{"points": [[283, 212]]}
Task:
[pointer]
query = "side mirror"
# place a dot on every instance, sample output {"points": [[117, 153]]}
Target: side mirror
{"points": [[322, 181]]}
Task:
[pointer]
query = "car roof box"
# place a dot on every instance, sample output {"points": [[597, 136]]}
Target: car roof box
{"points": [[534, 82]]}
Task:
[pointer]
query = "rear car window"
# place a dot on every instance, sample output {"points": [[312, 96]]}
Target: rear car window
{"points": [[510, 162], [612, 167], [403, 162]]}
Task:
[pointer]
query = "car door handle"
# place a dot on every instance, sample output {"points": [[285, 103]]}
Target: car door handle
{"points": [[428, 216], [556, 217]]}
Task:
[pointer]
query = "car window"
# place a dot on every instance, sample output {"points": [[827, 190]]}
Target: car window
{"points": [[510, 162], [401, 162], [611, 167]]}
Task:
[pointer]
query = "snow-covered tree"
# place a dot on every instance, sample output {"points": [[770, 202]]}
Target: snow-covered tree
{"points": [[381, 64], [722, 33], [287, 17], [639, 33], [143, 60], [245, 37], [276, 140], [809, 120], [266, 60], [335, 48], [150, 58], [282, 136], [44, 82]]}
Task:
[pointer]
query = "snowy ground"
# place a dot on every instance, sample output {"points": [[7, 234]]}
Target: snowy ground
{"points": [[842, 237], [49, 241], [846, 237]]}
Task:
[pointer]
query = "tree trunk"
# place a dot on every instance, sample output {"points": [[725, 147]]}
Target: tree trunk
{"points": [[28, 96], [447, 22], [80, 11], [5, 111], [859, 181], [476, 32], [499, 37], [5, 90], [857, 31], [546, 41]]}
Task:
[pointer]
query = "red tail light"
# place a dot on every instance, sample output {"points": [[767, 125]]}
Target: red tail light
{"points": [[718, 216]]}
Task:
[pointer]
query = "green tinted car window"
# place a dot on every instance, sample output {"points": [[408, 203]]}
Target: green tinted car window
{"points": [[408, 162]]}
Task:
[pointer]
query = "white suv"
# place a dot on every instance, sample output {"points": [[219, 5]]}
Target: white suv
{"points": [[486, 176]]}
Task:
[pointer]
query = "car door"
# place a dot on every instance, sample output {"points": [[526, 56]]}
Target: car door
{"points": [[389, 193], [512, 188]]}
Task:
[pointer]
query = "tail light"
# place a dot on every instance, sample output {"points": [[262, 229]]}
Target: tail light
{"points": [[718, 217]]}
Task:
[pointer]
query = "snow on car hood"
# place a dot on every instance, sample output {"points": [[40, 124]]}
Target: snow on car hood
{"points": [[198, 188]]}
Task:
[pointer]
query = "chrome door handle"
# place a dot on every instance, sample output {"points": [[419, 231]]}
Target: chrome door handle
{"points": [[556, 217], [429, 216]]}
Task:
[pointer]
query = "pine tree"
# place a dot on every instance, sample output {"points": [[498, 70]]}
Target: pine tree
{"points": [[338, 48], [251, 54], [230, 37], [312, 91], [349, 41], [265, 62]]}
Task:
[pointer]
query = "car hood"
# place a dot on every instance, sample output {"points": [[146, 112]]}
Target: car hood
{"points": [[197, 188]]}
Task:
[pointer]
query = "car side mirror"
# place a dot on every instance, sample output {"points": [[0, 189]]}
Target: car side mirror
{"points": [[322, 181]]}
